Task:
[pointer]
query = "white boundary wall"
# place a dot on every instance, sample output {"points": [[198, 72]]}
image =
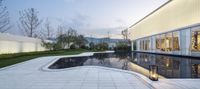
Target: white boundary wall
{"points": [[16, 44]]}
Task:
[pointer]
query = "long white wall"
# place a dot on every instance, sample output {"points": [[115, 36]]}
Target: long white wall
{"points": [[16, 44], [174, 15], [185, 42]]}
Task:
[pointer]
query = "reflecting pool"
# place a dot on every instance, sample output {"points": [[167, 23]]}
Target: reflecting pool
{"points": [[168, 66]]}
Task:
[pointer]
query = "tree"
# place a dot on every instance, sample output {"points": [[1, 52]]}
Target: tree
{"points": [[92, 45], [69, 38], [123, 46], [61, 35], [125, 34], [47, 30], [60, 30], [101, 46], [48, 45], [4, 18], [71, 35], [61, 41], [29, 22], [127, 41], [80, 40]]}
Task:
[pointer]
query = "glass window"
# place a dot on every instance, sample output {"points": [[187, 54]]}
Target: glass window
{"points": [[195, 43], [158, 42], [162, 42], [140, 44], [147, 44], [144, 44], [168, 42], [176, 41]]}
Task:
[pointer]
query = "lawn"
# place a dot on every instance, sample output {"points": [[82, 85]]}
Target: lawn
{"points": [[10, 59]]}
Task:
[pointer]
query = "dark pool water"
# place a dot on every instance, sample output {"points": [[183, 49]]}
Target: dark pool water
{"points": [[168, 66]]}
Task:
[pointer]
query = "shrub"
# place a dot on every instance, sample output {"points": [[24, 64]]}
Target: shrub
{"points": [[122, 46]]}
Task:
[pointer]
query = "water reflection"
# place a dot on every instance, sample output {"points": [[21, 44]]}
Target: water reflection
{"points": [[168, 66], [68, 62]]}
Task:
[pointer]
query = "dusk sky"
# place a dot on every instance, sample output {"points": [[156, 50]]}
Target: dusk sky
{"points": [[89, 17]]}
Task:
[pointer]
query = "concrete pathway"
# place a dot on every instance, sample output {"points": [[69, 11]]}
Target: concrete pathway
{"points": [[34, 74]]}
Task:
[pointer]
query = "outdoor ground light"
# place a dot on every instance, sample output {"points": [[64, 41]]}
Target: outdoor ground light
{"points": [[153, 75]]}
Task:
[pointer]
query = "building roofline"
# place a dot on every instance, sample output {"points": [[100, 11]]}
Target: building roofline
{"points": [[151, 13]]}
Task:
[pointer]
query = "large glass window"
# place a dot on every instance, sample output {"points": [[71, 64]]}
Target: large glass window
{"points": [[195, 40], [176, 41], [168, 42], [163, 42], [158, 42], [141, 44]]}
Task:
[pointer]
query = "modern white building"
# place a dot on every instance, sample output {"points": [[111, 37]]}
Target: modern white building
{"points": [[15, 44], [173, 28]]}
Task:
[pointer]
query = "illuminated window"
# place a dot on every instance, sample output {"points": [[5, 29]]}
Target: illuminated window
{"points": [[176, 41], [163, 42], [195, 43], [158, 41], [168, 42]]}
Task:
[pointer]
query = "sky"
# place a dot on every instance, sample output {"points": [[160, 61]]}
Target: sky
{"points": [[92, 18]]}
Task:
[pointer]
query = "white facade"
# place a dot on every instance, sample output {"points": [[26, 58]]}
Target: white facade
{"points": [[173, 28], [184, 42], [16, 44]]}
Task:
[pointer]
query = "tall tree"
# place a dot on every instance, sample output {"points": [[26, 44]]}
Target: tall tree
{"points": [[4, 18], [71, 36], [125, 34], [47, 30], [61, 35], [29, 22], [61, 29]]}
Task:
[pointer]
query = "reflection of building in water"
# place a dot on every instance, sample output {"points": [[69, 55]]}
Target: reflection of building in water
{"points": [[196, 70], [168, 66]]}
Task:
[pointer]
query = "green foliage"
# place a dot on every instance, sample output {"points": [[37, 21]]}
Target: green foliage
{"points": [[48, 45], [122, 46], [65, 40], [92, 45], [98, 47], [72, 46], [101, 46], [80, 40]]}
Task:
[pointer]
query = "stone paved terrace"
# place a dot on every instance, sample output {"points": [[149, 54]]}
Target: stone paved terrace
{"points": [[34, 74]]}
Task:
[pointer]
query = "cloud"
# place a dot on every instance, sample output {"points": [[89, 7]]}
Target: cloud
{"points": [[79, 21], [85, 25]]}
